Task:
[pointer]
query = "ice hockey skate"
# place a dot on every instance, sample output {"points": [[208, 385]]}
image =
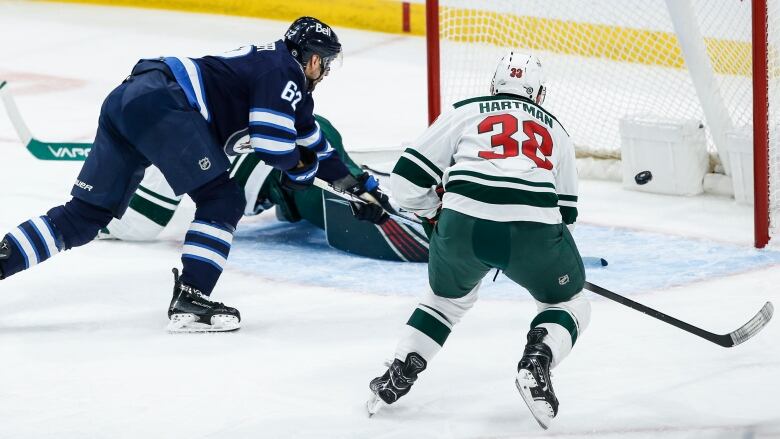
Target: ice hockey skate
{"points": [[193, 311], [5, 252], [395, 382], [533, 379]]}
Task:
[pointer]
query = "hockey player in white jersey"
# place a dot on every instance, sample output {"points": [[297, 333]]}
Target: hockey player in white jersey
{"points": [[507, 169]]}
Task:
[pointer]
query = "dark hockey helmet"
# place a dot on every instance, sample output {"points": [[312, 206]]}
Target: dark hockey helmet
{"points": [[307, 36]]}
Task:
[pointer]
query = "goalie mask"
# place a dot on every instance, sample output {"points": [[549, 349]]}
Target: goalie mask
{"points": [[519, 74]]}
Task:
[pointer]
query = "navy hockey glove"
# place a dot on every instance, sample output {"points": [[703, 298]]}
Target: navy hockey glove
{"points": [[301, 176]]}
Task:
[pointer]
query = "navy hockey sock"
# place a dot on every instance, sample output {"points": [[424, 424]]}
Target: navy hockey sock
{"points": [[205, 253], [31, 243], [220, 204]]}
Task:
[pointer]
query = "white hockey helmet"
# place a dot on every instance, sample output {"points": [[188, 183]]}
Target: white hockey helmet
{"points": [[519, 74]]}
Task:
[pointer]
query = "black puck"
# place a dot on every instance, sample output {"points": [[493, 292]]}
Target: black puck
{"points": [[643, 177]]}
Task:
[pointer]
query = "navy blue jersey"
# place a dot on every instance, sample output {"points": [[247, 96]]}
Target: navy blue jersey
{"points": [[255, 99]]}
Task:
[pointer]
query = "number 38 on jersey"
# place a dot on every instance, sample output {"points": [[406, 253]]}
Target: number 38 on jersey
{"points": [[537, 146]]}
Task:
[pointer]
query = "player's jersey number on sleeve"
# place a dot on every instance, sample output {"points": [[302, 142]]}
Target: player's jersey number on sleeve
{"points": [[290, 93], [511, 148]]}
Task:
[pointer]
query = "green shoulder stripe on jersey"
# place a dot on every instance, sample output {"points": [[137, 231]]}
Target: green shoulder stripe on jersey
{"points": [[158, 214], [568, 214], [504, 97], [429, 325], [484, 99], [567, 197], [244, 169], [158, 196], [559, 317], [414, 173], [505, 179], [501, 195]]}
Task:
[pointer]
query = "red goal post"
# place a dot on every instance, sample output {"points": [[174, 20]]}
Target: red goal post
{"points": [[711, 60]]}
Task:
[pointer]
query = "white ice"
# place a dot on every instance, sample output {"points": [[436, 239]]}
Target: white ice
{"points": [[84, 354]]}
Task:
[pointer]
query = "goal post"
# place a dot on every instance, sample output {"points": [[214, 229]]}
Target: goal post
{"points": [[711, 61], [433, 48], [761, 213]]}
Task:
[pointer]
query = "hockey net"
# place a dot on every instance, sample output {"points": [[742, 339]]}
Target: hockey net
{"points": [[605, 60]]}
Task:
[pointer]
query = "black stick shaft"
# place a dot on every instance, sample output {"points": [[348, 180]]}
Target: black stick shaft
{"points": [[715, 338]]}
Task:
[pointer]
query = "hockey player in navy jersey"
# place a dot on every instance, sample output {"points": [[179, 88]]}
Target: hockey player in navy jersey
{"points": [[184, 116], [363, 230]]}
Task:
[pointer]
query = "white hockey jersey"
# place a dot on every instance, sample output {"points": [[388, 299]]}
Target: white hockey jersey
{"points": [[501, 158]]}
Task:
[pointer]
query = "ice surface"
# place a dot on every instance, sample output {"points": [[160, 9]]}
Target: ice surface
{"points": [[83, 352], [638, 261]]}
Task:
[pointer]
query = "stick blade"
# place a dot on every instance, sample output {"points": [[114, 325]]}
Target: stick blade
{"points": [[754, 326]]}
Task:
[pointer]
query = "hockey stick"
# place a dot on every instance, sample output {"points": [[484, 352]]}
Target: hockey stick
{"points": [[594, 262], [41, 150], [365, 198], [733, 338], [589, 262], [375, 171]]}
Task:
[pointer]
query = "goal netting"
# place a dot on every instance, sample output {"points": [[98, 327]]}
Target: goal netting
{"points": [[608, 59]]}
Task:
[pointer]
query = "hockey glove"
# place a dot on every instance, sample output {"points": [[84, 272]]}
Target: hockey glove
{"points": [[369, 212], [362, 184], [301, 176]]}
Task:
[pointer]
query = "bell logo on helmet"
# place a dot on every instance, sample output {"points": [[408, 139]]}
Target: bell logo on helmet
{"points": [[307, 36], [322, 29]]}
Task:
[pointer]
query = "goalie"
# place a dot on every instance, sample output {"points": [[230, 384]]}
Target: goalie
{"points": [[360, 229]]}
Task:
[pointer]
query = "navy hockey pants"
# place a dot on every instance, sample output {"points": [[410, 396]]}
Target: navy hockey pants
{"points": [[147, 119]]}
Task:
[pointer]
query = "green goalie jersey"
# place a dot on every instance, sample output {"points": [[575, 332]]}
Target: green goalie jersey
{"points": [[263, 190], [500, 158]]}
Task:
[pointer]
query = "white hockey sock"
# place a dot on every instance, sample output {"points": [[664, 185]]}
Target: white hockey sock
{"points": [[431, 324], [565, 322]]}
